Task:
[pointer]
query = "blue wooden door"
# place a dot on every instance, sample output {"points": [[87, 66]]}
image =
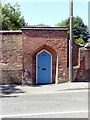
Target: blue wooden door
{"points": [[44, 68]]}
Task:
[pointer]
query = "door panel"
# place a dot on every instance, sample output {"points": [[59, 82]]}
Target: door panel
{"points": [[43, 68]]}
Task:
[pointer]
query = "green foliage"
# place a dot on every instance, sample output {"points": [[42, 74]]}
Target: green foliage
{"points": [[10, 17], [79, 28], [80, 41], [43, 25]]}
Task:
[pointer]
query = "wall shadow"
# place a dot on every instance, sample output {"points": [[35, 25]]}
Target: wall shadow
{"points": [[6, 90]]}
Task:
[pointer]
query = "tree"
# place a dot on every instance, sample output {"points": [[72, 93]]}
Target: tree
{"points": [[80, 30], [10, 17], [43, 25]]}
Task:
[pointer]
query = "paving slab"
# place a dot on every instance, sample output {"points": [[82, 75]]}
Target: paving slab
{"points": [[42, 89]]}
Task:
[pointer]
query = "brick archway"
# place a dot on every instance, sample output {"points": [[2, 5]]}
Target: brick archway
{"points": [[54, 62]]}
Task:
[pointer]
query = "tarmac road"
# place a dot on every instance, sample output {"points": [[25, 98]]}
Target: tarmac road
{"points": [[72, 104]]}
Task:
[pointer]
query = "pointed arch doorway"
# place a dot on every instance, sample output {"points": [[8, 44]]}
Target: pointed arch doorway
{"points": [[43, 67]]}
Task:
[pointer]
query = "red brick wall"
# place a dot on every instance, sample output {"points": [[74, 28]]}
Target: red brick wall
{"points": [[79, 70], [18, 51], [11, 58], [55, 41], [82, 71], [87, 63], [75, 58]]}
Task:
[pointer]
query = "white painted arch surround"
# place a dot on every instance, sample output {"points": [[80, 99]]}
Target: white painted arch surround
{"points": [[37, 64]]}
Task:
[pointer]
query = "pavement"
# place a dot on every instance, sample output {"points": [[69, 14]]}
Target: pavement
{"points": [[42, 89]]}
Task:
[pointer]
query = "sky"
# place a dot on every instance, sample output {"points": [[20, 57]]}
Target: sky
{"points": [[51, 12]]}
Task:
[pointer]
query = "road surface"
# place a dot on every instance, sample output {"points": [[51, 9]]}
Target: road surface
{"points": [[73, 104]]}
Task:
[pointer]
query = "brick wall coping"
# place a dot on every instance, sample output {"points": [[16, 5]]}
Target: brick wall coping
{"points": [[82, 48], [43, 28], [87, 45], [8, 31]]}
